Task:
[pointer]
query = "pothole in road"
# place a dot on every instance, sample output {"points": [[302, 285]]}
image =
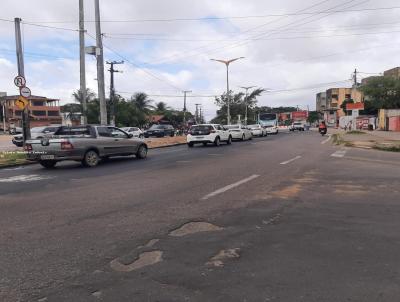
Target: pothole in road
{"points": [[194, 227], [145, 259], [224, 255]]}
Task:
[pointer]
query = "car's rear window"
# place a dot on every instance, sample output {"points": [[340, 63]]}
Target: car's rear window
{"points": [[73, 131], [202, 128]]}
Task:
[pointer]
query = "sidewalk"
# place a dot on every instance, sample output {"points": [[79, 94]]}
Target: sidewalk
{"points": [[381, 140]]}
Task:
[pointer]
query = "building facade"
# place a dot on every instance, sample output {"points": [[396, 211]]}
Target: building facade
{"points": [[321, 102], [42, 111]]}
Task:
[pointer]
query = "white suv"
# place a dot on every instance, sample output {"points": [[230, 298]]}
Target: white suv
{"points": [[208, 133]]}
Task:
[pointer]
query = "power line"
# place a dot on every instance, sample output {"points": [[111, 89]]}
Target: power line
{"points": [[280, 29], [228, 17], [137, 66]]}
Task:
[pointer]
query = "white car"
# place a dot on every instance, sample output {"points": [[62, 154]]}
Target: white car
{"points": [[208, 133], [135, 131], [239, 132], [271, 129], [257, 130]]}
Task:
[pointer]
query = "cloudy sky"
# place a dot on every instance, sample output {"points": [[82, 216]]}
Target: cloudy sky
{"points": [[295, 48]]}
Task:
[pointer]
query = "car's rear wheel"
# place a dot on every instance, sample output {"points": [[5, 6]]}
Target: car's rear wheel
{"points": [[204, 144], [243, 137], [217, 141], [48, 164], [91, 159], [172, 134], [229, 141], [190, 145], [141, 152]]}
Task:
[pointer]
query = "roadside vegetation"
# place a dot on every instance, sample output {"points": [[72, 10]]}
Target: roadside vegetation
{"points": [[12, 158]]}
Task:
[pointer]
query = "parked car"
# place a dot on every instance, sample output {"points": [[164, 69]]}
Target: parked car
{"points": [[137, 132], [160, 131], [15, 130], [208, 133], [87, 144], [239, 132], [271, 129], [257, 130], [297, 126], [36, 132]]}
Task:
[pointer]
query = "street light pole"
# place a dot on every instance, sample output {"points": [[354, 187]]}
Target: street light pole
{"points": [[227, 62], [184, 106], [247, 89]]}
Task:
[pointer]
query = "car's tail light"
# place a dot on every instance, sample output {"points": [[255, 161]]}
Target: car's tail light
{"points": [[28, 147], [66, 146]]}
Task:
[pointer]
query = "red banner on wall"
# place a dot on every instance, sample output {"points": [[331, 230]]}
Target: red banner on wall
{"points": [[299, 115], [355, 106]]}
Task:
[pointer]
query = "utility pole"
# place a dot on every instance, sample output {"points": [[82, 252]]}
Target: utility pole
{"points": [[184, 106], [245, 101], [112, 90], [100, 66], [82, 61], [355, 78], [21, 72], [197, 113]]}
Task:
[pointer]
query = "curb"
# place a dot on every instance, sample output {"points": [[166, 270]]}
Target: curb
{"points": [[167, 146]]}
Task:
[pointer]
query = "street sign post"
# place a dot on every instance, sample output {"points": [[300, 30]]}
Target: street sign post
{"points": [[25, 92], [19, 81], [21, 102]]}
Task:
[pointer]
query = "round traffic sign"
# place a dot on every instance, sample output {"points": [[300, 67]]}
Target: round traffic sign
{"points": [[25, 92], [19, 81]]}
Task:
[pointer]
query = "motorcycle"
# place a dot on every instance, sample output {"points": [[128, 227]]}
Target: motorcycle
{"points": [[323, 131]]}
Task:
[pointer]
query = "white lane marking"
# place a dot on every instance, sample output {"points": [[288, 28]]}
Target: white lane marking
{"points": [[24, 178], [214, 154], [183, 161], [229, 187], [290, 160], [325, 141], [339, 153]]}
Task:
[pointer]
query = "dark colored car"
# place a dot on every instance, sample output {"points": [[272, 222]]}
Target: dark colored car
{"points": [[160, 131]]}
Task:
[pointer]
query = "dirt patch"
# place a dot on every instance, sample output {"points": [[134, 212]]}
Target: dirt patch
{"points": [[194, 227], [145, 259], [224, 255], [165, 141], [288, 192]]}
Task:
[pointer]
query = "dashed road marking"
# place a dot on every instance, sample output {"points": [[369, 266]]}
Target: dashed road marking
{"points": [[229, 187], [325, 141], [214, 154], [290, 160], [339, 153], [183, 161], [24, 178]]}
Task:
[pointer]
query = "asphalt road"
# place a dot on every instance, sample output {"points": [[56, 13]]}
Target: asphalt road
{"points": [[283, 218]]}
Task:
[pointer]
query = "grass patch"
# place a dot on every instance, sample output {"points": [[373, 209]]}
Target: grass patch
{"points": [[12, 158], [391, 148], [337, 139], [355, 132]]}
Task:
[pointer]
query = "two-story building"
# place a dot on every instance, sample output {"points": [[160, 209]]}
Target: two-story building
{"points": [[42, 111]]}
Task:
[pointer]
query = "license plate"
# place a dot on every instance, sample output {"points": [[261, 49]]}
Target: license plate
{"points": [[47, 157], [199, 137]]}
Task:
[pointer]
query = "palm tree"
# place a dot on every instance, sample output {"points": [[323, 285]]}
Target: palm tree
{"points": [[90, 96], [142, 102], [162, 107]]}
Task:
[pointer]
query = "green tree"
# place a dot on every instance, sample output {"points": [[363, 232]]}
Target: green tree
{"points": [[142, 102], [162, 108], [381, 93], [237, 105]]}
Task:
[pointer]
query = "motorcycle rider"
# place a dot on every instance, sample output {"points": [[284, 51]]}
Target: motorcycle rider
{"points": [[322, 127]]}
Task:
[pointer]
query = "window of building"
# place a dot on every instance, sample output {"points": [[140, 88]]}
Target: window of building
{"points": [[53, 113], [38, 103], [348, 96], [39, 113], [335, 97]]}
